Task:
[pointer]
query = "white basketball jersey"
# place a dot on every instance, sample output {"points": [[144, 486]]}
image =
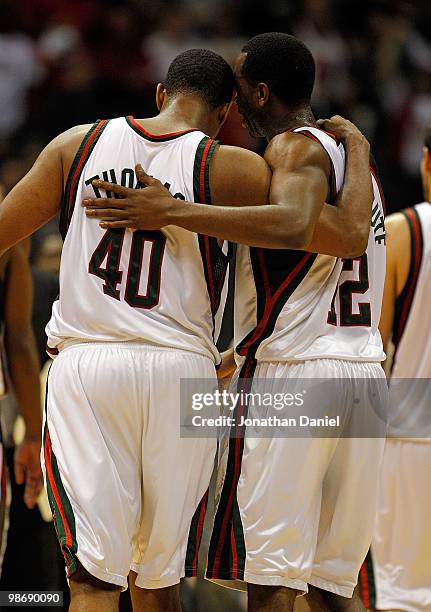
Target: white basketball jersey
{"points": [[410, 389], [158, 287], [294, 305]]}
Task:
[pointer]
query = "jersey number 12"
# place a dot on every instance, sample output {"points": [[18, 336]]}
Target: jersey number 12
{"points": [[346, 290]]}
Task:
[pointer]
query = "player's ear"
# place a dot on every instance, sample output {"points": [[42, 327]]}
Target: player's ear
{"points": [[223, 112], [426, 159], [262, 94], [160, 96]]}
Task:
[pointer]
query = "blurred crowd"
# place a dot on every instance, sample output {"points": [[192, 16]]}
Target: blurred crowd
{"points": [[64, 63]]}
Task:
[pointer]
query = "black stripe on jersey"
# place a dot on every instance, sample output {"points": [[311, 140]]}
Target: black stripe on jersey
{"points": [[195, 537], [85, 149], [277, 273], [404, 301], [375, 172], [215, 262], [227, 551]]}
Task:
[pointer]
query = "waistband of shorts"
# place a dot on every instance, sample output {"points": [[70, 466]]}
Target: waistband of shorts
{"points": [[360, 362], [129, 344]]}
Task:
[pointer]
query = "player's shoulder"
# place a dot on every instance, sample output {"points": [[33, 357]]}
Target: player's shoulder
{"points": [[66, 145], [397, 236], [236, 160], [74, 134], [68, 141], [239, 176], [294, 149], [397, 225]]}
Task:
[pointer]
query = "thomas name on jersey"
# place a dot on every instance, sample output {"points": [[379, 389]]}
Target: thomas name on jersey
{"points": [[128, 179]]}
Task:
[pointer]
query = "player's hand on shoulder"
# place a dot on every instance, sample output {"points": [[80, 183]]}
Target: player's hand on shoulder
{"points": [[344, 130], [147, 208]]}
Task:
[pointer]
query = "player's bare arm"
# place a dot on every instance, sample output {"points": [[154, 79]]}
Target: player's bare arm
{"points": [[37, 197], [348, 222], [397, 270], [238, 178], [23, 365]]}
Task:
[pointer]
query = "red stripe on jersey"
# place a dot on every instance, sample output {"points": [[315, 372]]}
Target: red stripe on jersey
{"points": [[202, 171], [50, 475], [270, 303], [139, 127], [234, 569], [365, 590]]}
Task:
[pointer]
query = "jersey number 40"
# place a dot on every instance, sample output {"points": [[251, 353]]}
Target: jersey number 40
{"points": [[105, 263]]}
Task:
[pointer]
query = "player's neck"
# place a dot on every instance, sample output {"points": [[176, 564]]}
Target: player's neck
{"points": [[183, 113], [282, 120]]}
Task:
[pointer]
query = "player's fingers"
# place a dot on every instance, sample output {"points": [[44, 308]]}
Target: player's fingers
{"points": [[105, 213], [19, 473], [93, 203], [338, 118], [112, 187], [32, 492], [116, 224], [143, 177]]}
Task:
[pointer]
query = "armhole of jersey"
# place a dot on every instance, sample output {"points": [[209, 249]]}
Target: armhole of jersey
{"points": [[201, 170], [332, 194], [214, 260], [85, 149], [375, 173], [404, 301]]}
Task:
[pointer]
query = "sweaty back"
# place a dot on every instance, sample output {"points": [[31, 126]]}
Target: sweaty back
{"points": [[158, 287]]}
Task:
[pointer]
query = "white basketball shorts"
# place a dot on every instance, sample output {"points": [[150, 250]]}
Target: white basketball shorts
{"points": [[401, 548], [294, 511], [125, 490]]}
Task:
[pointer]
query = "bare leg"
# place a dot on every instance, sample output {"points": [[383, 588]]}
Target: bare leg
{"points": [[320, 600], [88, 594], [270, 599], [154, 600]]}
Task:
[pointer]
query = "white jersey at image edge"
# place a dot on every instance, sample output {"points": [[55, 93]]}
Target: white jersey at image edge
{"points": [[150, 287], [410, 387]]}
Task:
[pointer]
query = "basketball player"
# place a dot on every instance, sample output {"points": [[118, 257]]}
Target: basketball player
{"points": [[290, 516], [19, 365], [400, 551], [135, 315]]}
